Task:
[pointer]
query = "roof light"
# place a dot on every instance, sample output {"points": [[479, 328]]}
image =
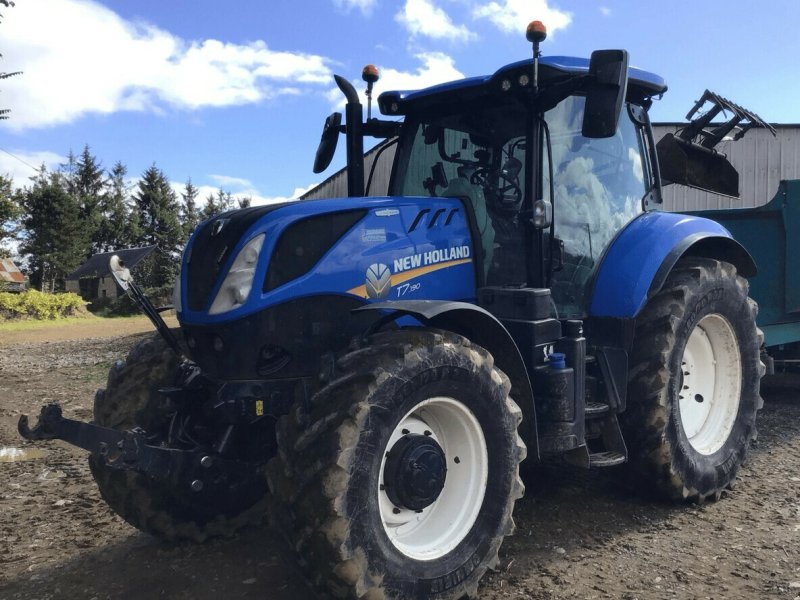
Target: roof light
{"points": [[536, 32], [524, 79], [505, 85], [370, 73]]}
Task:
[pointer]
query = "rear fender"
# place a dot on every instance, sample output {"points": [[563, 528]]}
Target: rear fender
{"points": [[482, 328], [638, 261]]}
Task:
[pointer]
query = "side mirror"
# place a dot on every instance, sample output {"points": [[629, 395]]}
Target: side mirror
{"points": [[608, 74], [327, 143]]}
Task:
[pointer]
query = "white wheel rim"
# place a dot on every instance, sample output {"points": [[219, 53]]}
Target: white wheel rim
{"points": [[712, 382], [440, 527]]}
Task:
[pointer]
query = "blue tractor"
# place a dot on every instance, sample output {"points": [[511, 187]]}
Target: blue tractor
{"points": [[371, 371]]}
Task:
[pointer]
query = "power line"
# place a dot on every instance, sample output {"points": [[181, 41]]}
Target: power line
{"points": [[24, 162]]}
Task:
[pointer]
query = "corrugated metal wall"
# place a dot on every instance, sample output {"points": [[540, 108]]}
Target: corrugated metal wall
{"points": [[336, 185], [761, 160]]}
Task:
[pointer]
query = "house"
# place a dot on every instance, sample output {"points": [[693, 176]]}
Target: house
{"points": [[11, 279], [93, 279]]}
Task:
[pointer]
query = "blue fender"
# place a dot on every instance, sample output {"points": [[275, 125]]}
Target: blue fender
{"points": [[638, 261], [483, 328]]}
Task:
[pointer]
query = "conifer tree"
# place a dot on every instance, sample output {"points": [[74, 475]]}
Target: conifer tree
{"points": [[56, 240], [158, 210], [190, 214], [217, 203], [9, 213], [117, 227]]}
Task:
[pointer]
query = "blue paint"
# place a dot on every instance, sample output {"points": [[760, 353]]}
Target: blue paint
{"points": [[381, 237], [650, 82], [634, 257]]}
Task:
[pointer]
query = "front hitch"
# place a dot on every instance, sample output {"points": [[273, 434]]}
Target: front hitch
{"points": [[195, 469]]}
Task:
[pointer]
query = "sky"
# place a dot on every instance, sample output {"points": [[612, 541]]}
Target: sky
{"points": [[234, 94]]}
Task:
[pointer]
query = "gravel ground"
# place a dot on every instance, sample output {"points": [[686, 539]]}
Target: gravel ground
{"points": [[579, 534]]}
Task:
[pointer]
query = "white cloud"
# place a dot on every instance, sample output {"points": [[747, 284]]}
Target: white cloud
{"points": [[365, 6], [513, 16], [605, 11], [436, 68], [422, 18], [260, 200], [228, 181], [21, 165], [84, 58]]}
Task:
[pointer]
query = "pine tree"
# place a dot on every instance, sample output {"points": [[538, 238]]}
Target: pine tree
{"points": [[217, 203], [56, 240], [190, 214], [158, 210], [118, 226], [88, 187], [9, 213]]}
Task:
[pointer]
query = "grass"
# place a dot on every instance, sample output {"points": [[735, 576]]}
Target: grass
{"points": [[35, 324], [76, 328]]}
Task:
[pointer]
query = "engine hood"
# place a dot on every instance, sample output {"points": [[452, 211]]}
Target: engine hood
{"points": [[362, 248]]}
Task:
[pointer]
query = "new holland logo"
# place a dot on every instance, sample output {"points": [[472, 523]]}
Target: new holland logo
{"points": [[379, 281]]}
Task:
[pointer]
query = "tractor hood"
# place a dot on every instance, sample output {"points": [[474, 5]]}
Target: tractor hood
{"points": [[243, 262]]}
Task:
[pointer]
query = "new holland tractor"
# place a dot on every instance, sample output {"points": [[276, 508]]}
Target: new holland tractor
{"points": [[371, 371]]}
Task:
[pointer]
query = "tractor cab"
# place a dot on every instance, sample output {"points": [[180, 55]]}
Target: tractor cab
{"points": [[551, 156], [547, 194]]}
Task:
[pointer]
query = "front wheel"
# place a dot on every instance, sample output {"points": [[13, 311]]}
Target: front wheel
{"points": [[693, 390], [153, 506], [401, 479]]}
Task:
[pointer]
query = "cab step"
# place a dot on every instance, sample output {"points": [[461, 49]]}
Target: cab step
{"points": [[595, 409], [606, 459]]}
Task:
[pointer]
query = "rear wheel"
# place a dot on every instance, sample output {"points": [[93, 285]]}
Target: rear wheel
{"points": [[403, 480], [152, 506], [693, 390]]}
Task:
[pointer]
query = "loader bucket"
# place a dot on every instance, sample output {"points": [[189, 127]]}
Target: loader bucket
{"points": [[698, 167]]}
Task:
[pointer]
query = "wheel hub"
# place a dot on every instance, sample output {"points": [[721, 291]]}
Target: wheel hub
{"points": [[415, 472]]}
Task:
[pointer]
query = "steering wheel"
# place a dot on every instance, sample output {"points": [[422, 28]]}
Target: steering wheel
{"points": [[506, 194]]}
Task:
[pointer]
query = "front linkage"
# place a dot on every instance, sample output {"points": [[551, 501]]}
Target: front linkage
{"points": [[161, 452], [199, 468]]}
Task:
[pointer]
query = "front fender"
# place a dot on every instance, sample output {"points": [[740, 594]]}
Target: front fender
{"points": [[642, 255], [482, 328]]}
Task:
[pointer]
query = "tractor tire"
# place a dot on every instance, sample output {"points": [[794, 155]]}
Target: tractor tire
{"points": [[400, 479], [693, 387], [152, 506]]}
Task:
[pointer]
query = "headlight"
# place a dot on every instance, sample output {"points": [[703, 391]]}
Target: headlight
{"points": [[239, 280]]}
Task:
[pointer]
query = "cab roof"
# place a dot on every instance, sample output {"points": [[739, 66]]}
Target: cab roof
{"points": [[642, 84]]}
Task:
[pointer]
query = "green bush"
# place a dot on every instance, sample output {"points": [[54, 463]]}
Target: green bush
{"points": [[38, 305]]}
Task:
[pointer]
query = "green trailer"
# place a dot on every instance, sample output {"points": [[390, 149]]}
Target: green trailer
{"points": [[771, 233]]}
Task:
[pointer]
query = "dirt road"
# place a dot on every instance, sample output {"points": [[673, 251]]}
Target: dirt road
{"points": [[579, 534]]}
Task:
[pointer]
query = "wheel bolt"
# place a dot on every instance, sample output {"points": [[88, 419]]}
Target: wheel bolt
{"points": [[197, 485]]}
